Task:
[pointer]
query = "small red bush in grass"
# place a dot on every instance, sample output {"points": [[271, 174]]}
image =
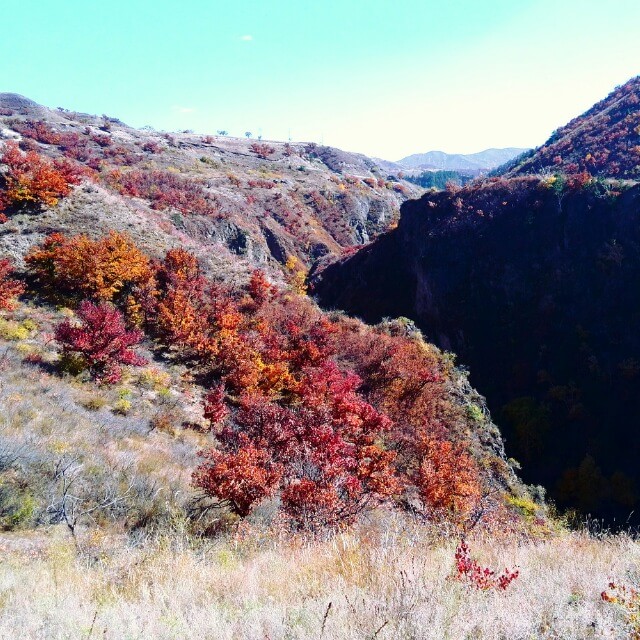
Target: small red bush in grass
{"points": [[101, 340], [9, 289], [469, 571]]}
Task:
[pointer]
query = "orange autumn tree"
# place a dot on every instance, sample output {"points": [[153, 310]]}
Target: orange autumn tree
{"points": [[180, 313], [447, 479], [31, 180], [110, 269]]}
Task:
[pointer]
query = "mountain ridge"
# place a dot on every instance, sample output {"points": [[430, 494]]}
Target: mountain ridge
{"points": [[603, 141], [476, 163]]}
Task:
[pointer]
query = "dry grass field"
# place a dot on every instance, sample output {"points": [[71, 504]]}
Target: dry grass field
{"points": [[386, 580]]}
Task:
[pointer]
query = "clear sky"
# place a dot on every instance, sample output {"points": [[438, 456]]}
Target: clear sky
{"points": [[384, 77]]}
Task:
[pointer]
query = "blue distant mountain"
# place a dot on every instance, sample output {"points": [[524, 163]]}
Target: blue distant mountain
{"points": [[472, 163]]}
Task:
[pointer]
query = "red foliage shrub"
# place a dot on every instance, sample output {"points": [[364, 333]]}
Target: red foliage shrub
{"points": [[165, 190], [242, 478], [262, 150], [260, 289], [152, 146], [121, 156], [261, 184], [483, 578], [101, 140], [10, 289], [37, 130], [75, 147], [33, 180], [101, 340], [215, 409]]}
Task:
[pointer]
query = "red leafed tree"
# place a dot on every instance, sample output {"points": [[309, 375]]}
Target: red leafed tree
{"points": [[448, 478], [242, 478], [10, 289], [326, 445], [101, 340]]}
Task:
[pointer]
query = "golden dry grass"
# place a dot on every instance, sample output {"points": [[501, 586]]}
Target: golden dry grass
{"points": [[390, 580]]}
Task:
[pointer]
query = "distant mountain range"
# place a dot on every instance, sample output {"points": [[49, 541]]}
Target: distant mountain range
{"points": [[471, 163]]}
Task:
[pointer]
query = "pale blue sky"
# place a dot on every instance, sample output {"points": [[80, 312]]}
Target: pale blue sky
{"points": [[384, 77]]}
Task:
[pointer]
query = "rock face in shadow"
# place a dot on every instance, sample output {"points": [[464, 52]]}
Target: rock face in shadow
{"points": [[536, 288]]}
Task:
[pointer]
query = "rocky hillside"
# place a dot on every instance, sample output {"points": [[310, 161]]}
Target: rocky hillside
{"points": [[262, 201], [532, 282], [604, 141], [150, 373]]}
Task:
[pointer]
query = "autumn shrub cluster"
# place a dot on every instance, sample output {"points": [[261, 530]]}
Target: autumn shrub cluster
{"points": [[164, 190], [325, 414], [91, 149], [110, 269], [31, 180], [262, 150]]}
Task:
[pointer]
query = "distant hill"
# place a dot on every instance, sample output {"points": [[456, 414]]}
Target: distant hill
{"points": [[604, 141], [472, 163]]}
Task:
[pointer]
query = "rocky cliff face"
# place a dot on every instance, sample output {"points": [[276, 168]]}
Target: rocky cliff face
{"points": [[534, 285]]}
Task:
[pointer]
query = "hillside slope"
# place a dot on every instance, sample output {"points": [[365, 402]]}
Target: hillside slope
{"points": [[147, 342], [603, 141]]}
